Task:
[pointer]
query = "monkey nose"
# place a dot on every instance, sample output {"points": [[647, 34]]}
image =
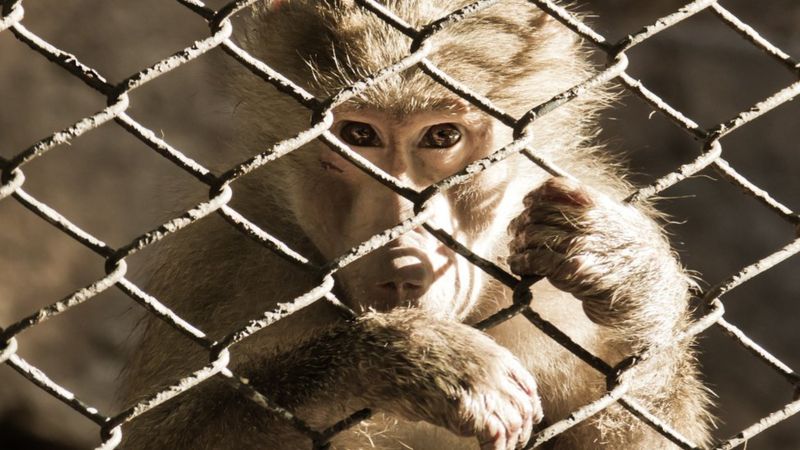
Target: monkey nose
{"points": [[400, 276], [403, 286]]}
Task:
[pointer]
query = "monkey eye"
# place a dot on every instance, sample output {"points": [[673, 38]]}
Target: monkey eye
{"points": [[443, 135], [360, 134]]}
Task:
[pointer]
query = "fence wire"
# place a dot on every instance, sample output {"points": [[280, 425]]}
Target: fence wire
{"points": [[710, 149]]}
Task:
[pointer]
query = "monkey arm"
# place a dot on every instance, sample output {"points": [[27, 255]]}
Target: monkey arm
{"points": [[409, 365], [615, 259], [402, 363]]}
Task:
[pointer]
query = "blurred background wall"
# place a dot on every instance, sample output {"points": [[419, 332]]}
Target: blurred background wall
{"points": [[106, 182]]}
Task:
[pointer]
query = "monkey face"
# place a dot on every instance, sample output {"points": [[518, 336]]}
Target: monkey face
{"points": [[344, 206], [412, 128]]}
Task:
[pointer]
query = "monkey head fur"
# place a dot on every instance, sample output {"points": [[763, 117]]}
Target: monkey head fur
{"points": [[512, 54]]}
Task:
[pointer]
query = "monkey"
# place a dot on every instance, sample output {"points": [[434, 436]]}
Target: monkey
{"points": [[611, 281]]}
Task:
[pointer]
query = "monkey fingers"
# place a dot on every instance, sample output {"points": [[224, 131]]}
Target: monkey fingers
{"points": [[564, 217], [559, 208], [508, 418], [585, 243], [533, 235], [501, 410], [500, 414], [532, 411], [540, 248]]}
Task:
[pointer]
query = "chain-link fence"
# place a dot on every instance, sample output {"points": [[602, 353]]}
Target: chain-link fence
{"points": [[112, 423]]}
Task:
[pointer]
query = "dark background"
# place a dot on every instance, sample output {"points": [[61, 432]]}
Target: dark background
{"points": [[106, 182]]}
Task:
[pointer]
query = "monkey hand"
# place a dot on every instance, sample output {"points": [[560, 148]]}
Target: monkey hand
{"points": [[454, 376], [608, 254]]}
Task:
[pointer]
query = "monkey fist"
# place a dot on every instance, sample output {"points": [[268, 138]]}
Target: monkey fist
{"points": [[603, 252], [457, 378], [497, 402]]}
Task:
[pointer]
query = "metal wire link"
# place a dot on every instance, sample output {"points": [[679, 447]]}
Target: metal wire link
{"points": [[112, 425]]}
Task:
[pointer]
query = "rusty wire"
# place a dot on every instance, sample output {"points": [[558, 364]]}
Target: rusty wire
{"points": [[112, 424]]}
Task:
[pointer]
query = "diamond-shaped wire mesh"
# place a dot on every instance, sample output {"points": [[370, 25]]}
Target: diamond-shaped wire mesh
{"points": [[118, 97]]}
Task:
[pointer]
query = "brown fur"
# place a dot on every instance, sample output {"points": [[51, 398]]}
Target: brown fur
{"points": [[428, 377]]}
